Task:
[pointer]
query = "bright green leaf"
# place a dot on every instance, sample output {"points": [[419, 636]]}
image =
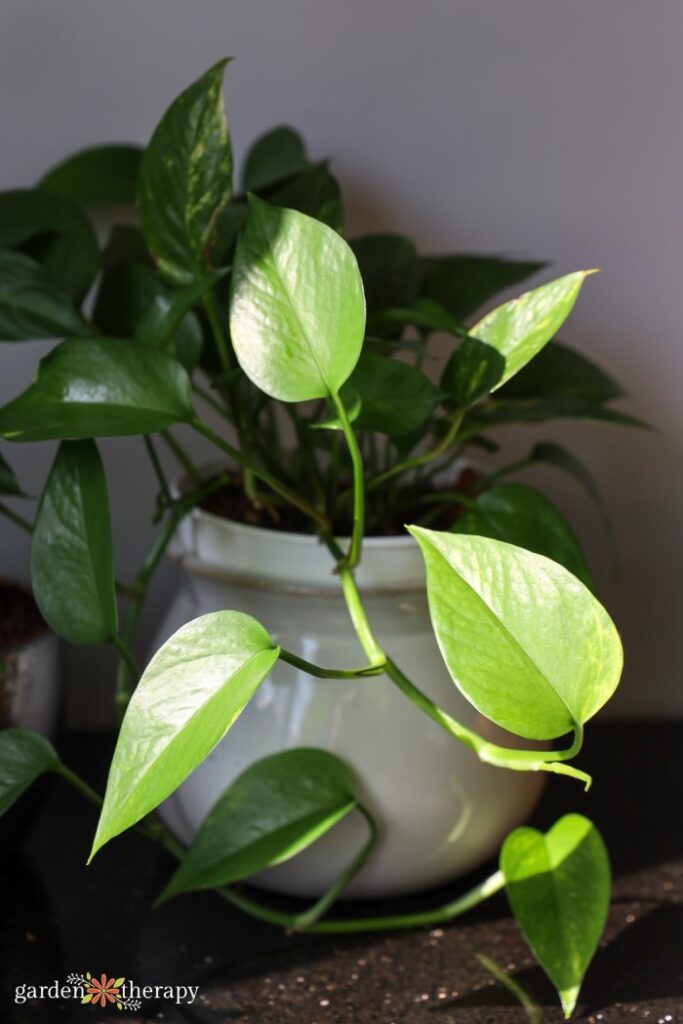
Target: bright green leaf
{"points": [[389, 268], [54, 232], [462, 284], [272, 811], [24, 757], [524, 640], [519, 329], [185, 178], [314, 192], [31, 306], [274, 157], [72, 562], [297, 313], [96, 176], [395, 398], [560, 371], [99, 387], [558, 885], [191, 692], [521, 515]]}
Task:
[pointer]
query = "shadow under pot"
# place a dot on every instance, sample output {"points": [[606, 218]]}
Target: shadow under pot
{"points": [[31, 677], [441, 812]]}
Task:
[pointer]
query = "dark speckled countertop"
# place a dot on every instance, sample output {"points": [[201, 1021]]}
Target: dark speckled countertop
{"points": [[59, 917]]}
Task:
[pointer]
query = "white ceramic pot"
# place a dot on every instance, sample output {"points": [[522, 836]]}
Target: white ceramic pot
{"points": [[441, 812]]}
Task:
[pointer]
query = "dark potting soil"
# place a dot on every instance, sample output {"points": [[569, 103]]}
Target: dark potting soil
{"points": [[20, 619], [230, 502]]}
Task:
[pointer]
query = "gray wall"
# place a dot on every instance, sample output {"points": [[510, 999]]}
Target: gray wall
{"points": [[528, 127]]}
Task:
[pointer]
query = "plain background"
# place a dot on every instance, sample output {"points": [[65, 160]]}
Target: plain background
{"points": [[533, 128]]}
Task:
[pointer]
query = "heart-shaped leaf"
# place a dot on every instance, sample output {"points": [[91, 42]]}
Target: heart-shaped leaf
{"points": [[523, 516], [560, 371], [24, 756], [523, 639], [297, 314], [389, 268], [97, 176], [72, 562], [463, 283], [272, 811], [394, 397], [99, 387], [274, 157], [8, 481], [56, 233], [558, 885], [185, 178], [31, 306], [191, 692], [519, 329]]}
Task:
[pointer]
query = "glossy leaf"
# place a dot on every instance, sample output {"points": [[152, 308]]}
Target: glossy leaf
{"points": [[9, 485], [393, 397], [558, 885], [272, 811], [516, 331], [389, 268], [560, 371], [189, 695], [185, 178], [169, 322], [24, 757], [500, 412], [297, 313], [96, 176], [99, 387], [521, 515], [314, 192], [462, 284], [274, 157], [523, 639], [31, 306], [72, 561], [54, 232]]}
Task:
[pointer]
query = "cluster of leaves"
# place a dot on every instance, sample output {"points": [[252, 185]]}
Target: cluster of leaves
{"points": [[254, 305]]}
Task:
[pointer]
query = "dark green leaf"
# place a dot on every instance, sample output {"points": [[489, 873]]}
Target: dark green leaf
{"points": [[229, 223], [169, 322], [297, 313], [528, 645], [425, 314], [56, 233], [189, 695], [315, 192], [521, 515], [96, 176], [31, 306], [537, 410], [274, 157], [395, 398], [185, 178], [473, 370], [24, 756], [462, 284], [559, 371], [389, 268], [558, 885], [99, 387], [125, 293], [125, 244], [8, 481], [72, 562], [272, 811]]}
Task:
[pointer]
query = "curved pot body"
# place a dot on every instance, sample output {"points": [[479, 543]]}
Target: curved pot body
{"points": [[441, 812]]}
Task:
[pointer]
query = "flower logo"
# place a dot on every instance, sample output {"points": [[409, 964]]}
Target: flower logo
{"points": [[106, 990]]}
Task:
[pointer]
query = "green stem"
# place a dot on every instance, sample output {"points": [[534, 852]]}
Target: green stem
{"points": [[330, 673], [213, 403], [15, 518], [158, 469], [181, 455], [285, 492], [419, 460], [355, 548], [217, 331], [127, 656]]}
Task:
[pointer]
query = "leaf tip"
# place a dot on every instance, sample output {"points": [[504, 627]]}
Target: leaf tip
{"points": [[568, 999]]}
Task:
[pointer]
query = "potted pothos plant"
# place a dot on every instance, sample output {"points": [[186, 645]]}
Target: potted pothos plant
{"points": [[308, 697]]}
